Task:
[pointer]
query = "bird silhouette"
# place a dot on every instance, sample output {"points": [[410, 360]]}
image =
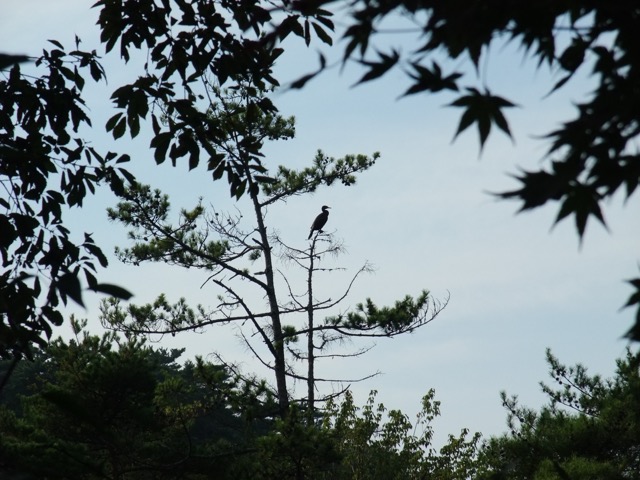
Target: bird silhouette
{"points": [[320, 220]]}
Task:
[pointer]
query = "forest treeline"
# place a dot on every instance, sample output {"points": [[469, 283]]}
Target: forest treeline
{"points": [[111, 407], [189, 48]]}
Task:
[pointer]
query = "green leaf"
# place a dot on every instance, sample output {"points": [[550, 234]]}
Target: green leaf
{"points": [[120, 128], [482, 108], [322, 34], [634, 300], [134, 126], [7, 60], [123, 158], [56, 43], [377, 69], [465, 121], [161, 144], [307, 32], [113, 290], [95, 250], [302, 81], [68, 285], [573, 55], [431, 79], [582, 201], [112, 122], [194, 158]]}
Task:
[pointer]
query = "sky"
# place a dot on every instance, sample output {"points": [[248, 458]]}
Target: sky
{"points": [[423, 216]]}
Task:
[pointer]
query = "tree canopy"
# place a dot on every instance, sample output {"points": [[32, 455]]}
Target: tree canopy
{"points": [[108, 407], [588, 429]]}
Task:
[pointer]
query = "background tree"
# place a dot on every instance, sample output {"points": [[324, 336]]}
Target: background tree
{"points": [[104, 407], [108, 407], [589, 429], [376, 443], [237, 254], [366, 320]]}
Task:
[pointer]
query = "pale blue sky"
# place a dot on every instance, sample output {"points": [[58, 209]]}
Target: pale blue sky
{"points": [[421, 216]]}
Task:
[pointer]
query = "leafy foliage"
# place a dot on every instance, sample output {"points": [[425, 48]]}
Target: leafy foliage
{"points": [[189, 42], [296, 450], [324, 170], [40, 146], [9, 60], [107, 407], [404, 317], [589, 429], [103, 407], [595, 150], [483, 109], [193, 48], [591, 156], [376, 443]]}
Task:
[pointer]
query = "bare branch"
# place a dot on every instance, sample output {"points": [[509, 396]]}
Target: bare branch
{"points": [[334, 380]]}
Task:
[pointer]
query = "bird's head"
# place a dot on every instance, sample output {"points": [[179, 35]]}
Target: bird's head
{"points": [[324, 208]]}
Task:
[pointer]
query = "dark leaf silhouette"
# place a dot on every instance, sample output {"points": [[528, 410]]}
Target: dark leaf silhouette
{"points": [[484, 109]]}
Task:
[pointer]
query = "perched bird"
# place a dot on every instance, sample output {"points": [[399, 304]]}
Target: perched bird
{"points": [[320, 220]]}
